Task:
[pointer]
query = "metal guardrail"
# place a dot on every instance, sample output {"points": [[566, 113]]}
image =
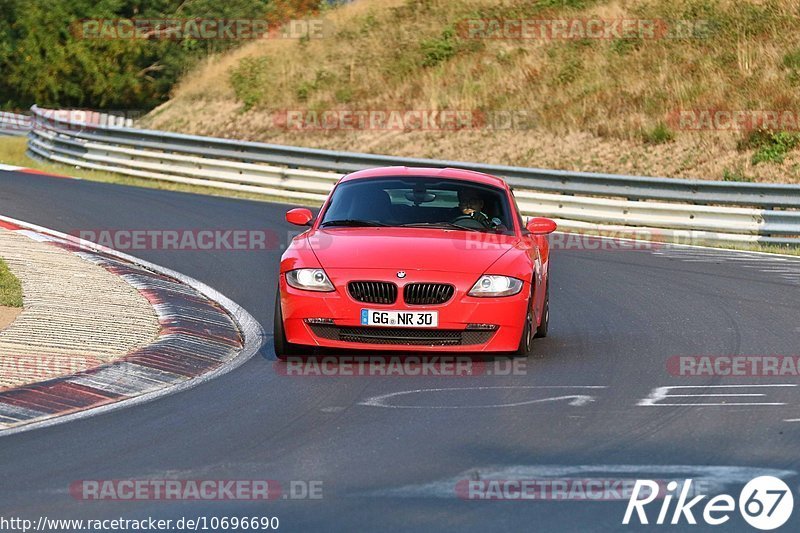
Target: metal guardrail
{"points": [[14, 124], [686, 210]]}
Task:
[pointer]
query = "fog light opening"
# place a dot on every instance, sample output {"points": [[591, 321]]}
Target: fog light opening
{"points": [[319, 321]]}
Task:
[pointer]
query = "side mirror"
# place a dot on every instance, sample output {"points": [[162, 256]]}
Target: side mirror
{"points": [[540, 226], [299, 217]]}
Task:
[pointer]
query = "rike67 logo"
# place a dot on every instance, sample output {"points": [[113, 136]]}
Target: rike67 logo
{"points": [[765, 503]]}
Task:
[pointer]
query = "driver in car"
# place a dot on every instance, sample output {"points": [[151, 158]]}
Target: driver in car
{"points": [[470, 204]]}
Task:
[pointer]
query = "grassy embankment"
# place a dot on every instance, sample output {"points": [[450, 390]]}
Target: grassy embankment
{"points": [[603, 105]]}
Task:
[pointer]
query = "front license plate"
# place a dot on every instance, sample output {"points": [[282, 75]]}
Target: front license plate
{"points": [[402, 319]]}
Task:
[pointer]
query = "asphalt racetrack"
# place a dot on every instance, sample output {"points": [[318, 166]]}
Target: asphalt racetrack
{"points": [[584, 406]]}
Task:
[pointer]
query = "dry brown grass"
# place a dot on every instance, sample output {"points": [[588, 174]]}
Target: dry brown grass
{"points": [[595, 102]]}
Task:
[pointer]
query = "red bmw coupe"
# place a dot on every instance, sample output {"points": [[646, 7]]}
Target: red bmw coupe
{"points": [[414, 259]]}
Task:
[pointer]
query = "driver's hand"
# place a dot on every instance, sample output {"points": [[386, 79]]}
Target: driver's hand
{"points": [[483, 218]]}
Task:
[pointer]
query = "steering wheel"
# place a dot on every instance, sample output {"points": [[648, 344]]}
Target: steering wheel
{"points": [[473, 222]]}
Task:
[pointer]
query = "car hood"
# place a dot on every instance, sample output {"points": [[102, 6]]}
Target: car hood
{"points": [[408, 248]]}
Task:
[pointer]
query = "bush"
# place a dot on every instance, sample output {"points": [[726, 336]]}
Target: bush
{"points": [[441, 49], [248, 79], [770, 146], [660, 134], [306, 87], [791, 61]]}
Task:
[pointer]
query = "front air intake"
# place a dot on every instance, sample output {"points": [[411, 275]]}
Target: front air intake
{"points": [[373, 292], [427, 293]]}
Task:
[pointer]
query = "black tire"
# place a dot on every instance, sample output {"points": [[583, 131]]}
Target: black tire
{"points": [[526, 340], [283, 348], [541, 331]]}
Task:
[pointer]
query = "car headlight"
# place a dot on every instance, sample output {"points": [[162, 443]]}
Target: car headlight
{"points": [[496, 286], [309, 279]]}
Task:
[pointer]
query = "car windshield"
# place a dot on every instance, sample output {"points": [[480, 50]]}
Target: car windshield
{"points": [[419, 202]]}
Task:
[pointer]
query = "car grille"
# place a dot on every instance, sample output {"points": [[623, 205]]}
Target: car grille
{"points": [[373, 292], [427, 293], [401, 336]]}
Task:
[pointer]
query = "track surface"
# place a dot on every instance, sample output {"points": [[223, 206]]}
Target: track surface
{"points": [[617, 316]]}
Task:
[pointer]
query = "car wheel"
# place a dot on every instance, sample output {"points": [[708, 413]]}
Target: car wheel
{"points": [[283, 348], [526, 340], [541, 331]]}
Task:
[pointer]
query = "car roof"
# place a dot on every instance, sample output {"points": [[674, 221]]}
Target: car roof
{"points": [[451, 173]]}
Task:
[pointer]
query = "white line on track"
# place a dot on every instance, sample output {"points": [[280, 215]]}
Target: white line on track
{"points": [[663, 393], [575, 399]]}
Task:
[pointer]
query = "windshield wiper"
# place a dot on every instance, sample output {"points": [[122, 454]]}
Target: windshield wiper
{"points": [[443, 225], [352, 223]]}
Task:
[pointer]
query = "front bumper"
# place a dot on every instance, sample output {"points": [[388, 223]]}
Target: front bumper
{"points": [[346, 331]]}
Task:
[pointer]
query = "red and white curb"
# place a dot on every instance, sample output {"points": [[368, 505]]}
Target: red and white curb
{"points": [[203, 335], [26, 170]]}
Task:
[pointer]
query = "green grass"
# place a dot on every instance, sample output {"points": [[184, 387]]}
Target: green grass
{"points": [[770, 146], [660, 134], [12, 152], [764, 248], [10, 288], [585, 93], [791, 61], [421, 53], [737, 174], [440, 49], [248, 78]]}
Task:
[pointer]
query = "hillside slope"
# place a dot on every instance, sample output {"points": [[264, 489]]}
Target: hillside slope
{"points": [[611, 101]]}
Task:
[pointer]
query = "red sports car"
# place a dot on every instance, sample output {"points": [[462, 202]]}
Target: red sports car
{"points": [[414, 259]]}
